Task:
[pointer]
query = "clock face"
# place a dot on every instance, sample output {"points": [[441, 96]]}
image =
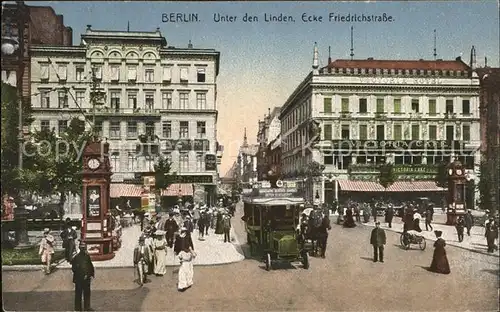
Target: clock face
{"points": [[459, 171], [450, 171], [93, 163]]}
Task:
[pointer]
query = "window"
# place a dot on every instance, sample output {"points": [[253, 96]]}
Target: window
{"points": [[328, 160], [63, 99], [415, 106], [114, 130], [62, 126], [166, 128], [450, 133], [449, 106], [201, 129], [115, 101], [168, 156], [380, 106], [184, 74], [363, 132], [150, 129], [432, 107], [397, 106], [132, 73], [363, 107], [132, 129], [345, 105], [398, 132], [44, 125], [200, 162], [167, 73], [79, 73], [132, 100], [184, 161], [345, 133], [115, 161], [132, 162], [114, 73], [380, 132], [415, 132], [98, 128], [328, 132], [466, 107], [432, 132], [184, 129], [166, 100], [466, 132], [45, 99], [149, 75], [97, 71], [201, 75], [80, 97], [150, 101], [184, 100], [327, 105], [63, 72], [201, 100], [44, 71]]}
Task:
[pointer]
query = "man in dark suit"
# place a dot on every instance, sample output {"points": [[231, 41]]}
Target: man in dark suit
{"points": [[170, 227], [83, 272], [141, 252], [68, 236], [377, 240], [389, 214]]}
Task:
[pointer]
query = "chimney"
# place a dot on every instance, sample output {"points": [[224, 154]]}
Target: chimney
{"points": [[190, 45], [89, 28], [459, 58], [315, 64], [329, 55], [269, 112], [472, 58], [370, 58]]}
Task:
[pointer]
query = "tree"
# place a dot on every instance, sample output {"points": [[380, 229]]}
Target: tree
{"points": [[441, 178], [314, 169], [486, 185], [386, 178], [59, 162], [163, 178], [10, 180]]}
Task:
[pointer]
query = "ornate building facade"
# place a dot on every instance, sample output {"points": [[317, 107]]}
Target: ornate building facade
{"points": [[157, 99], [268, 155], [414, 114]]}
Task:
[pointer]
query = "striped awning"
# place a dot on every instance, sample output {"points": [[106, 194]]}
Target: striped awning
{"points": [[398, 186], [118, 190], [179, 189]]}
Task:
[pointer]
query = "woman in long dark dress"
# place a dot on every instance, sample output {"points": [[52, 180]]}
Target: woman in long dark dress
{"points": [[439, 260], [349, 220]]}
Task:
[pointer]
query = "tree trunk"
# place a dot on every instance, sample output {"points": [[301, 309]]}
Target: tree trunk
{"points": [[62, 200]]}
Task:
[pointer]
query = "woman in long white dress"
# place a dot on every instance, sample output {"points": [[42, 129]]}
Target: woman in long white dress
{"points": [[186, 272], [160, 258]]}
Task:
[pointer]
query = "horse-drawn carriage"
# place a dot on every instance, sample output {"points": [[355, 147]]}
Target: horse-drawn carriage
{"points": [[412, 232], [271, 221], [315, 233]]}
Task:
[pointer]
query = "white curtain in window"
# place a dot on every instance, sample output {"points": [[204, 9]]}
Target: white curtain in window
{"points": [[98, 72], [63, 72], [115, 73], [184, 73], [132, 73], [44, 72], [167, 73]]}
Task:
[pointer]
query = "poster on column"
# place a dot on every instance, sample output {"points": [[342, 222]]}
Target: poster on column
{"points": [[93, 201]]}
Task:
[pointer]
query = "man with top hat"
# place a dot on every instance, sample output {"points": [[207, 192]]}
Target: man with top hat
{"points": [[46, 249], [142, 255], [170, 227], [378, 240], [83, 272]]}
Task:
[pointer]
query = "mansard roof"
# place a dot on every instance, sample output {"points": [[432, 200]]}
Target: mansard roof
{"points": [[370, 63]]}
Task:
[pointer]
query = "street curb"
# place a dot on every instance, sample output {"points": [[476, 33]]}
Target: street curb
{"points": [[496, 254], [38, 268]]}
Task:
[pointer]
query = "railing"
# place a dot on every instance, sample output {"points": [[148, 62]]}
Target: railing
{"points": [[124, 111]]}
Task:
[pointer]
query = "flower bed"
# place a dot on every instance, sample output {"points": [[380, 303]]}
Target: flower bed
{"points": [[27, 256]]}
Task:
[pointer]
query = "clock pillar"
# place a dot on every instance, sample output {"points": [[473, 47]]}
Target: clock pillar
{"points": [[96, 221], [456, 192]]}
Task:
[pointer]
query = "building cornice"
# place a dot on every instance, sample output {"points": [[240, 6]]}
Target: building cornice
{"points": [[303, 87], [40, 49], [389, 89]]}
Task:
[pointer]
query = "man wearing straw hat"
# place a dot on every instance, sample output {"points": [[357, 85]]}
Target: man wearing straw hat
{"points": [[46, 249]]}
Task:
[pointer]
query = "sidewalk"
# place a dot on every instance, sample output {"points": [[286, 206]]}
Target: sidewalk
{"points": [[476, 242], [211, 251]]}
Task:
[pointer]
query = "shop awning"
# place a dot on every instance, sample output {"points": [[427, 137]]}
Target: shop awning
{"points": [[118, 190], [398, 186], [179, 189]]}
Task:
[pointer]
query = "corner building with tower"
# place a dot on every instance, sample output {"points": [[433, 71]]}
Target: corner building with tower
{"points": [[353, 115], [154, 99]]}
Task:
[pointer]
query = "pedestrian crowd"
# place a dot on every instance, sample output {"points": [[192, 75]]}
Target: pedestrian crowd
{"points": [[173, 235]]}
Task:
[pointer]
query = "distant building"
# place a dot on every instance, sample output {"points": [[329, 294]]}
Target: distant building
{"points": [[268, 157], [247, 162], [414, 114], [158, 100]]}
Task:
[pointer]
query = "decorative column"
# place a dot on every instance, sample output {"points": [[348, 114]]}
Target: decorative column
{"points": [[20, 219], [322, 190], [336, 182]]}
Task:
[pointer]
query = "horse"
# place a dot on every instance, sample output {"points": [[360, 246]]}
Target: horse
{"points": [[315, 230]]}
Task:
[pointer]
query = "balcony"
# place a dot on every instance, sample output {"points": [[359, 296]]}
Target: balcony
{"points": [[199, 145], [138, 112]]}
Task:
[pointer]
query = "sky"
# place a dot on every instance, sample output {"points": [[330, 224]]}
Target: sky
{"points": [[262, 63]]}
